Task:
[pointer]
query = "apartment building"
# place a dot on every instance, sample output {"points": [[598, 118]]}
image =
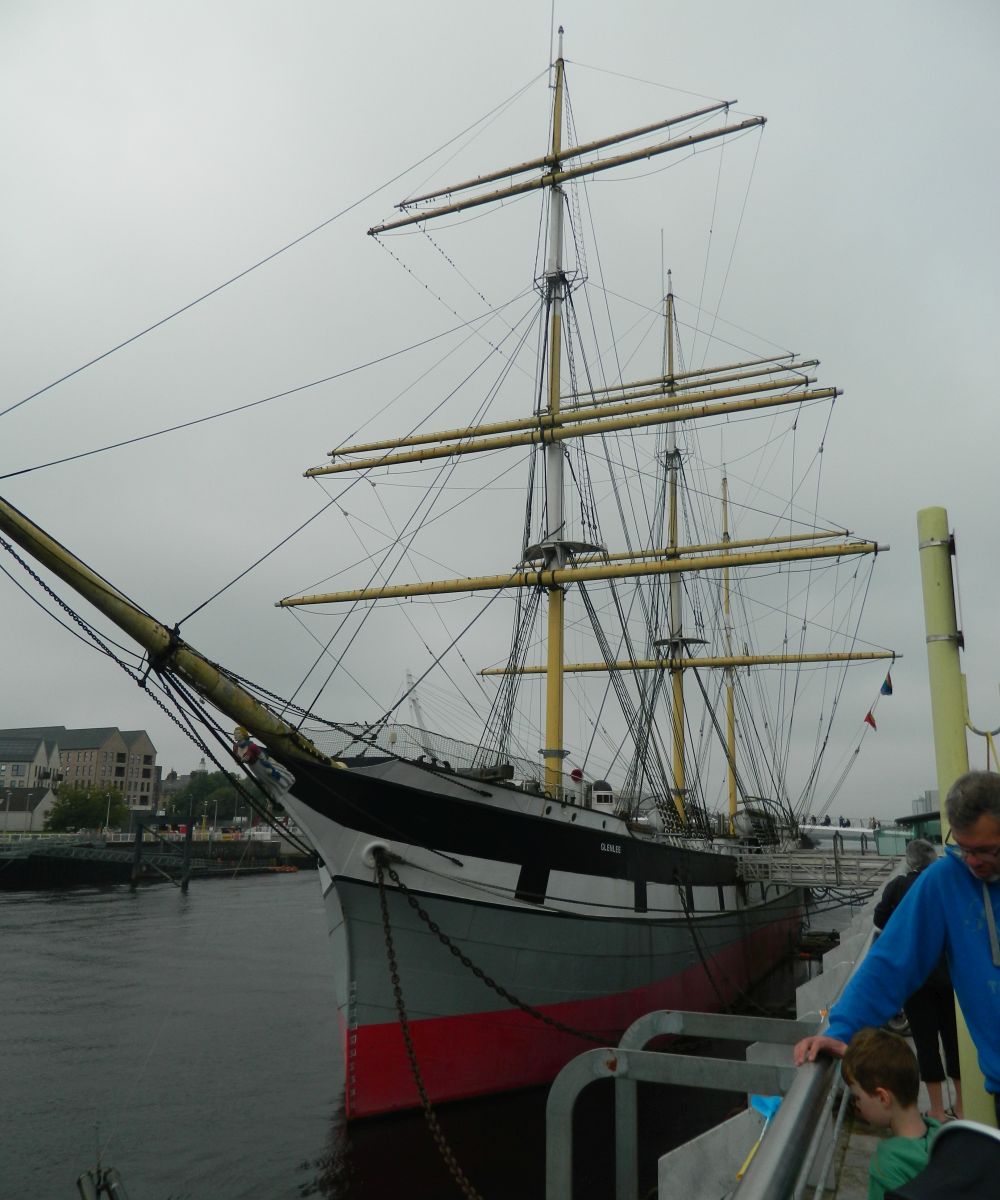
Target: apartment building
{"points": [[28, 759], [102, 757]]}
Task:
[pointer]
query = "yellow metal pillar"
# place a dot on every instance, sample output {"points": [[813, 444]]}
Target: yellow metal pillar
{"points": [[951, 749]]}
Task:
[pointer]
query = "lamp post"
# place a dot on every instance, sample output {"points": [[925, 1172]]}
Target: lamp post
{"points": [[107, 817], [6, 814]]}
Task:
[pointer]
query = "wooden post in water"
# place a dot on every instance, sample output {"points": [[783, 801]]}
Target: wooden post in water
{"points": [[951, 750], [188, 835], [136, 850]]}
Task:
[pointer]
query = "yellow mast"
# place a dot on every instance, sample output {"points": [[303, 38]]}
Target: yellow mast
{"points": [[554, 541], [621, 405], [730, 706], [710, 661], [555, 177], [550, 577], [660, 409]]}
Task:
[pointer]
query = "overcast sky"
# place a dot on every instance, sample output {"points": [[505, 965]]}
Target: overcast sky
{"points": [[154, 151]]}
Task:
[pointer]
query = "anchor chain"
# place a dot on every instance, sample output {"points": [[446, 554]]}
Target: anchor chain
{"points": [[404, 1024], [479, 973]]}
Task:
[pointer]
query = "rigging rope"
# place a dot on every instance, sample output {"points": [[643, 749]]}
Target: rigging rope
{"points": [[273, 255]]}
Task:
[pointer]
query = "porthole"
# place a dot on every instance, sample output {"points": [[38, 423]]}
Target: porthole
{"points": [[548, 809], [572, 816]]}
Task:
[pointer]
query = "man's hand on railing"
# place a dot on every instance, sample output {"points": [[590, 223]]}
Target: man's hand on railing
{"points": [[809, 1048]]}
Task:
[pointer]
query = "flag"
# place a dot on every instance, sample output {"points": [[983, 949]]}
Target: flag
{"points": [[886, 688], [870, 720]]}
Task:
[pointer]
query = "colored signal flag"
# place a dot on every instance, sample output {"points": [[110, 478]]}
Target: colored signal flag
{"points": [[886, 688], [870, 720]]}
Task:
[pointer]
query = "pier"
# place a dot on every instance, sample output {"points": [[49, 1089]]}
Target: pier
{"points": [[44, 861]]}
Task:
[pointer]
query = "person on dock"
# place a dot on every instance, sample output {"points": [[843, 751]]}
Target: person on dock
{"points": [[952, 908], [881, 1071], [930, 1011]]}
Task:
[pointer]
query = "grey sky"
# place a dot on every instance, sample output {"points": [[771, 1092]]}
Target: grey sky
{"points": [[153, 151]]}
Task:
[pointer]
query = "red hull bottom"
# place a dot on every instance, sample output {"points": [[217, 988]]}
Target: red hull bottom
{"points": [[478, 1054]]}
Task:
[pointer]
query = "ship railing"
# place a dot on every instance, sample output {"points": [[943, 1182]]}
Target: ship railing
{"points": [[787, 1155]]}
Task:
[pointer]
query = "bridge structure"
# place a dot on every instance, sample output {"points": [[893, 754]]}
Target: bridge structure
{"points": [[817, 868]]}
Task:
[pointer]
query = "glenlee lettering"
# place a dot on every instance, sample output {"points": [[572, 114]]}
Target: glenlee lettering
{"points": [[610, 848]]}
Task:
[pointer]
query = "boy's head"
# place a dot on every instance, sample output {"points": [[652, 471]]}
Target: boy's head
{"points": [[881, 1071]]}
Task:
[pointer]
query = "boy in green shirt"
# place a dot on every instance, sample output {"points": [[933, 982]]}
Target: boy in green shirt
{"points": [[881, 1071]]}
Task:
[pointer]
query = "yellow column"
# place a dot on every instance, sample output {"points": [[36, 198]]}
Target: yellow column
{"points": [[951, 749]]}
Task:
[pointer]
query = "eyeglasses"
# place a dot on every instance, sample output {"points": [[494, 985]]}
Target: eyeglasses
{"points": [[982, 853]]}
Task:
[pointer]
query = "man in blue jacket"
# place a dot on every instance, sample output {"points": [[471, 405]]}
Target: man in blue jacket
{"points": [[954, 908]]}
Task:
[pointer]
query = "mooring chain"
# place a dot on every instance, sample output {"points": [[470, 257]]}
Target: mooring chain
{"points": [[404, 1024], [479, 973]]}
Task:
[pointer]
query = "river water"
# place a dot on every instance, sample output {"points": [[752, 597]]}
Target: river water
{"points": [[191, 1041]]}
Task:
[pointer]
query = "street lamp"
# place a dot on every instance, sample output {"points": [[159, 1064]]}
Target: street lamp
{"points": [[107, 817]]}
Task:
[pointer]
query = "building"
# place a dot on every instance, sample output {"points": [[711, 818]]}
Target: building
{"points": [[174, 783], [24, 809], [929, 802], [103, 757], [29, 758]]}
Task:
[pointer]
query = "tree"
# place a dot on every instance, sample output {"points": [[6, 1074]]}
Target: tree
{"points": [[86, 808], [213, 795]]}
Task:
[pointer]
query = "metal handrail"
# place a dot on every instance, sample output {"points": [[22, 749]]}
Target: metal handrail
{"points": [[637, 1066]]}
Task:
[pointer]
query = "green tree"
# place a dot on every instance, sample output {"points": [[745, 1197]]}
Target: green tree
{"points": [[213, 795], [86, 808]]}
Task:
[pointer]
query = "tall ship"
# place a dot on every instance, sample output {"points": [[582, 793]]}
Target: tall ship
{"points": [[661, 646]]}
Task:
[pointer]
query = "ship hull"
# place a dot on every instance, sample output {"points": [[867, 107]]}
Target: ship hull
{"points": [[582, 923], [593, 975]]}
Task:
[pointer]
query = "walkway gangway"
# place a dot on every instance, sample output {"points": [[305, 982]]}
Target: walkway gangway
{"points": [[816, 868]]}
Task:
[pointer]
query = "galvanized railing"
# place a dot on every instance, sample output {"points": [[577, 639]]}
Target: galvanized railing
{"points": [[630, 1064]]}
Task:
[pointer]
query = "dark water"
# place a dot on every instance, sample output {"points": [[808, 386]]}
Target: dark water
{"points": [[192, 1039]]}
